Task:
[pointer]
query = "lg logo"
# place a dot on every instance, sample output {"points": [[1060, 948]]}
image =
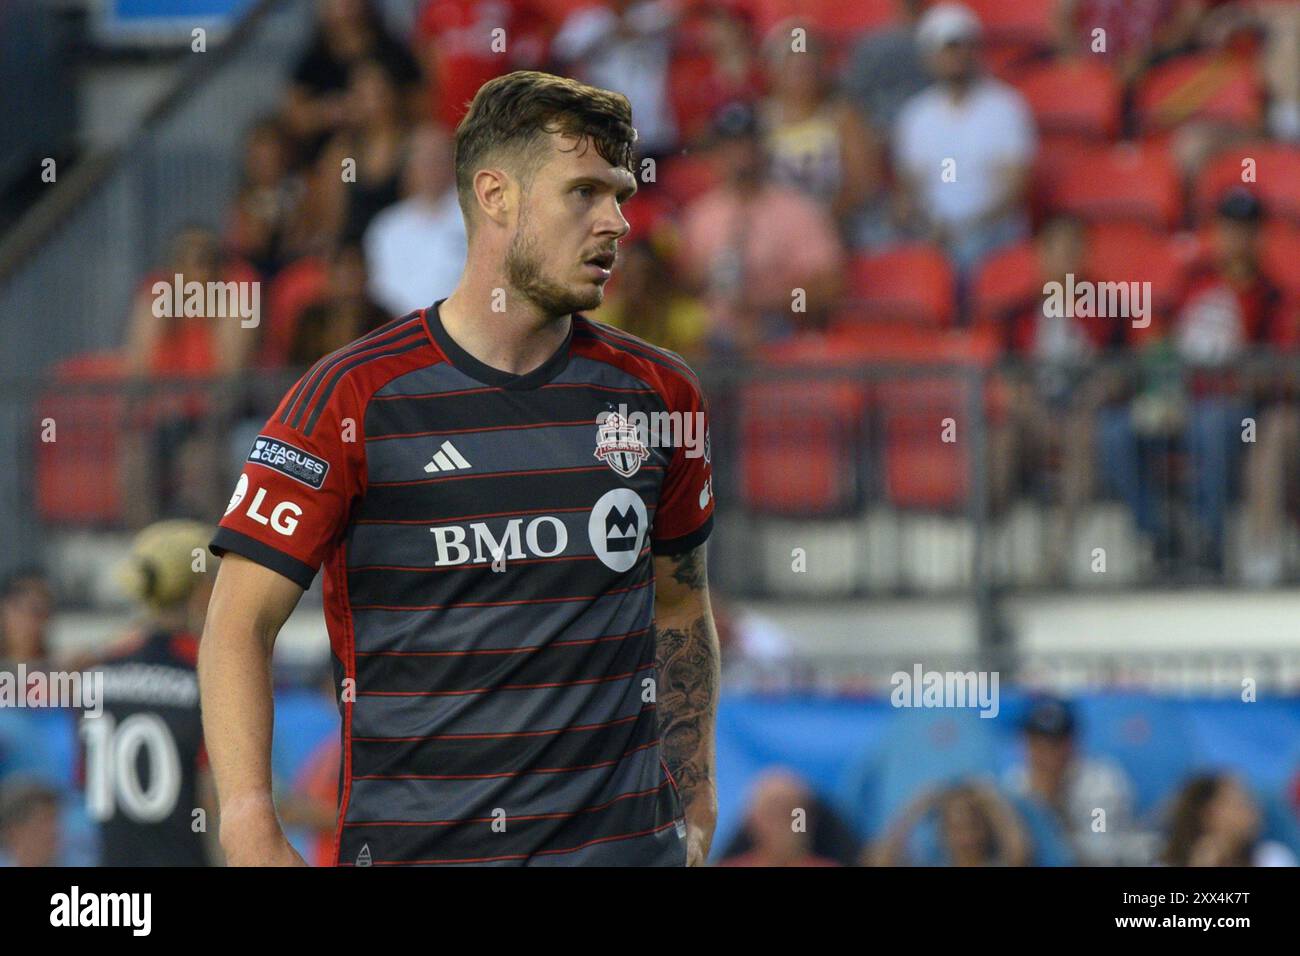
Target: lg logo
{"points": [[283, 518]]}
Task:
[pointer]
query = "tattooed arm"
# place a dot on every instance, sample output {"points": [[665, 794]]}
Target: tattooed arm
{"points": [[688, 663]]}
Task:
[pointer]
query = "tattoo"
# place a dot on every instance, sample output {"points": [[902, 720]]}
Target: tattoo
{"points": [[689, 568], [688, 664]]}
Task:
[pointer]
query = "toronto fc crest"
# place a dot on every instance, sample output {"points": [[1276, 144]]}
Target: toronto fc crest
{"points": [[618, 445]]}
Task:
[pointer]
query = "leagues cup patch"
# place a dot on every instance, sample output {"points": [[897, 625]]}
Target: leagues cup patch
{"points": [[288, 460], [618, 445]]}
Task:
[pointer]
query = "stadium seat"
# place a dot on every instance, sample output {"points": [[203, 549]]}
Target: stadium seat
{"points": [[1025, 21], [801, 437], [1276, 174], [76, 475], [1120, 252], [686, 177], [838, 21], [921, 470], [912, 283], [1006, 278], [1135, 182], [1074, 97], [297, 286], [1208, 86]]}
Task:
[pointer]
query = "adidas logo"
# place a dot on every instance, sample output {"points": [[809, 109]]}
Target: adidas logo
{"points": [[447, 458], [363, 858]]}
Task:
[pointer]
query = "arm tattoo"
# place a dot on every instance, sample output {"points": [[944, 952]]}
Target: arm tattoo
{"points": [[687, 660]]}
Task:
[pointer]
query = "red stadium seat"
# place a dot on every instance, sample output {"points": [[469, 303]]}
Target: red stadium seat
{"points": [[1276, 173], [837, 20], [1224, 89], [1022, 21], [1120, 252], [1134, 182], [801, 437], [297, 286], [687, 177], [1077, 97], [77, 474], [912, 283], [921, 470], [1006, 278]]}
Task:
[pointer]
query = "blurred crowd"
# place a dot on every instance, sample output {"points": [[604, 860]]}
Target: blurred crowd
{"points": [[876, 180]]}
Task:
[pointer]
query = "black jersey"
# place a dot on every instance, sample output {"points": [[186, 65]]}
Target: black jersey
{"points": [[142, 755]]}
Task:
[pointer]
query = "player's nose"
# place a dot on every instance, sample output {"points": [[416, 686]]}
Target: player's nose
{"points": [[612, 223]]}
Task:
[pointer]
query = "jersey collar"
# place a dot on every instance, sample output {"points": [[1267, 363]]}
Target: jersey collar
{"points": [[486, 374]]}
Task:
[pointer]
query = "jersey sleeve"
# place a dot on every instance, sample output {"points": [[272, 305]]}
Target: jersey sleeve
{"points": [[684, 517], [299, 481]]}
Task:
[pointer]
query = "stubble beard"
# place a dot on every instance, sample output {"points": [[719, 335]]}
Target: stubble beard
{"points": [[524, 273]]}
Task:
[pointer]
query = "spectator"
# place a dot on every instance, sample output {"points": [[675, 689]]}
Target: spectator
{"points": [[346, 313], [415, 249], [170, 462], [1230, 307], [748, 244], [348, 32], [1216, 822], [30, 830], [886, 68], [778, 824], [1051, 408], [816, 142], [645, 301], [713, 64], [265, 228], [1073, 787], [375, 138], [976, 827], [26, 604], [626, 45], [963, 147], [456, 42]]}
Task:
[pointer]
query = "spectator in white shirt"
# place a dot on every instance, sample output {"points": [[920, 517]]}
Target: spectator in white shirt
{"points": [[415, 249], [963, 147]]}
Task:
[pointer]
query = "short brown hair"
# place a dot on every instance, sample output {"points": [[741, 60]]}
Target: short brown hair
{"points": [[514, 111]]}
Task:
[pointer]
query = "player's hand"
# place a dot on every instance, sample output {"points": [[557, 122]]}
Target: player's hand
{"points": [[697, 845]]}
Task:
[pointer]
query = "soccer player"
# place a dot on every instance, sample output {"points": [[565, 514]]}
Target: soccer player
{"points": [[143, 763], [515, 583]]}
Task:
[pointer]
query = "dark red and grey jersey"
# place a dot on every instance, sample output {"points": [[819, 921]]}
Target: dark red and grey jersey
{"points": [[487, 540], [141, 756]]}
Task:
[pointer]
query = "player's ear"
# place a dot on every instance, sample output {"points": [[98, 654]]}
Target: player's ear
{"points": [[492, 192]]}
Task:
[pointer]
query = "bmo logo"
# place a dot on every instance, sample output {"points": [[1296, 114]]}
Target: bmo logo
{"points": [[283, 518], [617, 528], [543, 537]]}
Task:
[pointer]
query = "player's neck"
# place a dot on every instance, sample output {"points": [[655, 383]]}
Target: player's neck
{"points": [[516, 340]]}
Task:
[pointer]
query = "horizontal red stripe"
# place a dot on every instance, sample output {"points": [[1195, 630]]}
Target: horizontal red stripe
{"points": [[509, 773], [483, 690], [507, 650]]}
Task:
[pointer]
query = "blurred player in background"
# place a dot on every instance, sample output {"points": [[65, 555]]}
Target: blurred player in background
{"points": [[144, 765]]}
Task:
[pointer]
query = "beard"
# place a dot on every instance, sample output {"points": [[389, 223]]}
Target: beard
{"points": [[524, 273]]}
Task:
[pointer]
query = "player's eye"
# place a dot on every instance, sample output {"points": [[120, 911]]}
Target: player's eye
{"points": [[586, 192]]}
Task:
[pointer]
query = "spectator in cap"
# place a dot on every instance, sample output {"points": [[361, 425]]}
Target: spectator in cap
{"points": [[1230, 307], [1072, 788], [750, 246], [963, 147], [1233, 305]]}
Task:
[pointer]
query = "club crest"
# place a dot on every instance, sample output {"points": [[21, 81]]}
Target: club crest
{"points": [[618, 445]]}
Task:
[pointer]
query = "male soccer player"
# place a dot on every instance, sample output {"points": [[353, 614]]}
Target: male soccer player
{"points": [[514, 573]]}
